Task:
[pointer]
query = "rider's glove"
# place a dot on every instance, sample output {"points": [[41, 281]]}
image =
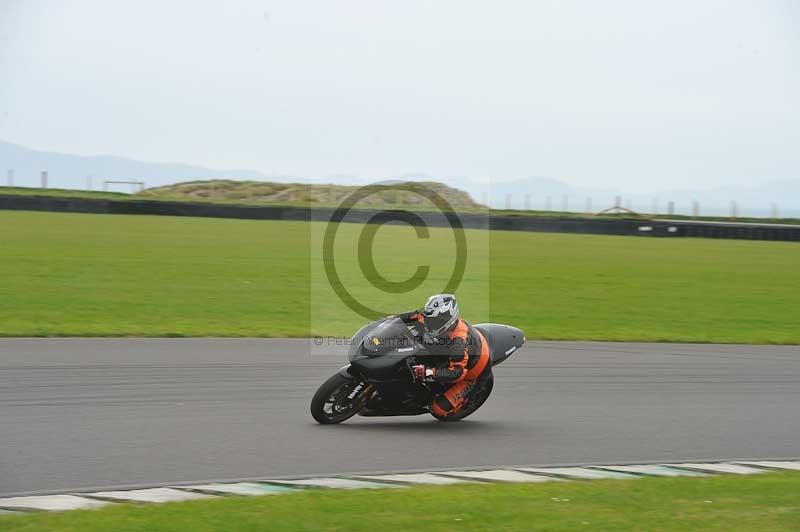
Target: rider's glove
{"points": [[421, 373]]}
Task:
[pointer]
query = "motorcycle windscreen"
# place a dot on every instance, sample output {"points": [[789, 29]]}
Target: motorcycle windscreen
{"points": [[389, 335]]}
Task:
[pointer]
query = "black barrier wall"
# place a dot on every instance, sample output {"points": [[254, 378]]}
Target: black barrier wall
{"points": [[599, 226]]}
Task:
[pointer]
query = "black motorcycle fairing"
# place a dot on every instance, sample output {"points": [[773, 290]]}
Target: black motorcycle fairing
{"points": [[380, 368], [347, 372], [398, 399], [379, 350], [390, 335], [503, 340], [358, 337]]}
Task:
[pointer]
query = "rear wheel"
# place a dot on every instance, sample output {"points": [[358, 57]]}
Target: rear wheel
{"points": [[474, 402], [338, 399]]}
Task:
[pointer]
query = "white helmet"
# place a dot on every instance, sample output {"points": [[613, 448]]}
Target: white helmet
{"points": [[440, 313]]}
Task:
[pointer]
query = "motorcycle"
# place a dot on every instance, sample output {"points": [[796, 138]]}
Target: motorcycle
{"points": [[379, 380]]}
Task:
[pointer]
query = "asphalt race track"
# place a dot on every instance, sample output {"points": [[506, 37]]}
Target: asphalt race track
{"points": [[80, 413]]}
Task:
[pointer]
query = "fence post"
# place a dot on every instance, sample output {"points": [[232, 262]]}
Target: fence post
{"points": [[734, 210], [695, 209], [44, 178], [508, 202], [671, 208]]}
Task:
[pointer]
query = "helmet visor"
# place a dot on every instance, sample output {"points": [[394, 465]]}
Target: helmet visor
{"points": [[437, 324]]}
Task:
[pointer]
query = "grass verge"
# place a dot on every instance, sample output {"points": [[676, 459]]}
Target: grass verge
{"points": [[728, 502], [113, 275]]}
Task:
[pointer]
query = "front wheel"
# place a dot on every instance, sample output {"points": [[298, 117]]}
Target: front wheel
{"points": [[338, 399]]}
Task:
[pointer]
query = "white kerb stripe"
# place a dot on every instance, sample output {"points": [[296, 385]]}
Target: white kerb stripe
{"points": [[50, 503], [719, 468], [498, 475], [150, 495]]}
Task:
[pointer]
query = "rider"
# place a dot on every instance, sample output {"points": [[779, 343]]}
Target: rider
{"points": [[459, 353]]}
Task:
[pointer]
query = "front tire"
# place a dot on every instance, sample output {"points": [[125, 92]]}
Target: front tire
{"points": [[331, 404]]}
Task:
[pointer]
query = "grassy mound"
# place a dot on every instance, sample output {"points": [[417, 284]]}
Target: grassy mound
{"points": [[256, 192]]}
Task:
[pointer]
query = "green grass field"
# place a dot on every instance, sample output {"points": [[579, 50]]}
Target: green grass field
{"points": [[724, 503], [107, 275]]}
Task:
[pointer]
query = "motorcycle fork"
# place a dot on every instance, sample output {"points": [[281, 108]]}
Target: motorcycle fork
{"points": [[367, 393]]}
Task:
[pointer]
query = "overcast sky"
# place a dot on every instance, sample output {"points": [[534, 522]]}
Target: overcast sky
{"points": [[630, 94]]}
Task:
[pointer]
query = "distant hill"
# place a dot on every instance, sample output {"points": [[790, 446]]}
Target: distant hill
{"points": [[765, 199], [255, 192], [72, 171]]}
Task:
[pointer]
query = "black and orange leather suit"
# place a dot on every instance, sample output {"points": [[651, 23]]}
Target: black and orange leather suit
{"points": [[460, 360]]}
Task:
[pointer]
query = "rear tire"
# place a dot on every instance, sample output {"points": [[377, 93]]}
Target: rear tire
{"points": [[331, 405], [473, 403]]}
